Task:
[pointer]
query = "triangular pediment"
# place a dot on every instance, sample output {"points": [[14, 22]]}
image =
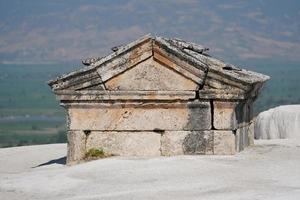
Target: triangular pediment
{"points": [[151, 75], [158, 64]]}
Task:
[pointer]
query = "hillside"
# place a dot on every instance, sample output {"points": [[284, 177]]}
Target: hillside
{"points": [[45, 31], [269, 170]]}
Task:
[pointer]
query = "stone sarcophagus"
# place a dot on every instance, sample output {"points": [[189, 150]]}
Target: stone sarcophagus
{"points": [[158, 96]]}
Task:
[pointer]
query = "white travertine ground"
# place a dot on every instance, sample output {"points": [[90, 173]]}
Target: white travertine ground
{"points": [[279, 122], [269, 170]]}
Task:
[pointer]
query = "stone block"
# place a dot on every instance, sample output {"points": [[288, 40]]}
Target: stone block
{"points": [[240, 113], [244, 137], [224, 143], [141, 117], [239, 139], [125, 143], [199, 116], [186, 142], [115, 95], [251, 133], [76, 146], [224, 117], [238, 142], [244, 113], [250, 111]]}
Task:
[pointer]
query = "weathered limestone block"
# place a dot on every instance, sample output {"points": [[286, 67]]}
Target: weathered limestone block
{"points": [[224, 115], [244, 113], [251, 133], [224, 143], [76, 146], [244, 137], [250, 111], [125, 143], [216, 81], [115, 95], [209, 93], [145, 117], [186, 142], [239, 146]]}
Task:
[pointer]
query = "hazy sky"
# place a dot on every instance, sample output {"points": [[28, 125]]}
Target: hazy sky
{"points": [[56, 30]]}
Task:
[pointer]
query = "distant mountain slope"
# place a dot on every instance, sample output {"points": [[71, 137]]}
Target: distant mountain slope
{"points": [[40, 31]]}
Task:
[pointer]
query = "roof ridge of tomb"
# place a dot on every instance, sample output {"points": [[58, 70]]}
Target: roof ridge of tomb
{"points": [[191, 52], [198, 52]]}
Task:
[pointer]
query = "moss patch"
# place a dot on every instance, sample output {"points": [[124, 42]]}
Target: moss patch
{"points": [[94, 154]]}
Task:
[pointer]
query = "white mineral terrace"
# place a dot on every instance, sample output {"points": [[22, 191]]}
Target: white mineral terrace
{"points": [[268, 170], [279, 122]]}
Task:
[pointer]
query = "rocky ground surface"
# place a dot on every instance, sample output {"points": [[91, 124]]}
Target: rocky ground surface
{"points": [[268, 170]]}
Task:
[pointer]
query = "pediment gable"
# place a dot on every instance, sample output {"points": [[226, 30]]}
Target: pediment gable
{"points": [[160, 64], [151, 75]]}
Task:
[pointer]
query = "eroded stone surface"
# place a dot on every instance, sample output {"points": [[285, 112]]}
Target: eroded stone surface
{"points": [[224, 143], [192, 116], [224, 115], [251, 133], [244, 112], [239, 140], [76, 146], [144, 96], [244, 137], [187, 142], [125, 143]]}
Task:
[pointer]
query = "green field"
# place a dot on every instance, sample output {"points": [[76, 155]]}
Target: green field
{"points": [[29, 113], [24, 89]]}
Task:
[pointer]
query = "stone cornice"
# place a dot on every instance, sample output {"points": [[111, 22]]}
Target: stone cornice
{"points": [[104, 95]]}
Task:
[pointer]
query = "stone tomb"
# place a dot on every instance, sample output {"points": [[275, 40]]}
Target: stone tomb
{"points": [[158, 96]]}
